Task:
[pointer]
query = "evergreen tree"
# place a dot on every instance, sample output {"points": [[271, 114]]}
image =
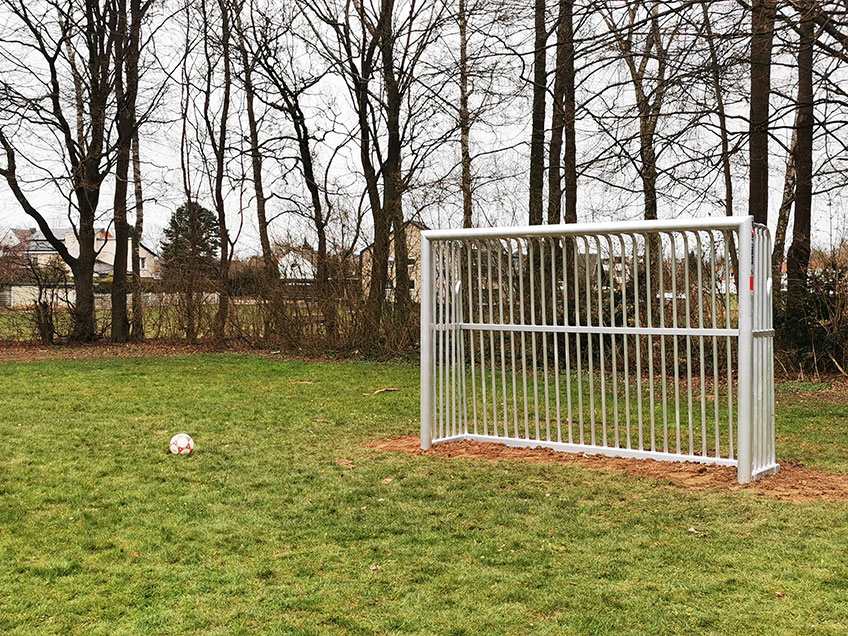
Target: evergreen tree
{"points": [[190, 260], [191, 243]]}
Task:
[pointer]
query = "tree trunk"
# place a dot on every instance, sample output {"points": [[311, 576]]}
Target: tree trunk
{"points": [[271, 287], [762, 37], [723, 132], [783, 218], [569, 107], [464, 117], [798, 257], [379, 272], [382, 224], [562, 122], [137, 324], [125, 99], [557, 123], [84, 325], [271, 269], [220, 322], [392, 179], [537, 134], [722, 115], [648, 171], [322, 265]]}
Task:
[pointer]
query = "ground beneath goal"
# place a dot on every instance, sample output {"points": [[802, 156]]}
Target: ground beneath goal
{"points": [[794, 482]]}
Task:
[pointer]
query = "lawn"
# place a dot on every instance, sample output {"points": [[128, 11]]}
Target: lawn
{"points": [[284, 523]]}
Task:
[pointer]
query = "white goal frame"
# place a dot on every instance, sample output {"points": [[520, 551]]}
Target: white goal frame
{"points": [[556, 336]]}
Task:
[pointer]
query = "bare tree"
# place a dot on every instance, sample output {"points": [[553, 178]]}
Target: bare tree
{"points": [[127, 47], [215, 33], [35, 83], [284, 88], [249, 60], [360, 42], [649, 98]]}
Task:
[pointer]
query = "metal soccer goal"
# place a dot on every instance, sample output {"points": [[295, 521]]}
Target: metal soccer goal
{"points": [[645, 339]]}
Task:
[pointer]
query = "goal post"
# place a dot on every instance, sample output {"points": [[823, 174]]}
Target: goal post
{"points": [[646, 339]]}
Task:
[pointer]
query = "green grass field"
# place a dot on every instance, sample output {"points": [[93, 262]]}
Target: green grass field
{"points": [[284, 523]]}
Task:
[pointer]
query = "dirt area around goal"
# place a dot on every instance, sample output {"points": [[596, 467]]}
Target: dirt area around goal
{"points": [[794, 482]]}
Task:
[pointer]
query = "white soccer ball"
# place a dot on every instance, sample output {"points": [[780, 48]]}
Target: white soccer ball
{"points": [[181, 444]]}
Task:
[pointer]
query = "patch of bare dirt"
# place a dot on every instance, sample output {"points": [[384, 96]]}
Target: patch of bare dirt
{"points": [[11, 351], [794, 482], [28, 352], [15, 351]]}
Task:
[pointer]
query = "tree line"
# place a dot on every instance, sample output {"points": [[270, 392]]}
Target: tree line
{"points": [[341, 120]]}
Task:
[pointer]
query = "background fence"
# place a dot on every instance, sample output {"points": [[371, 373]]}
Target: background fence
{"points": [[625, 339]]}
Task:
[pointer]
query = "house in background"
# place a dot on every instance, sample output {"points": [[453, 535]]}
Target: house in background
{"points": [[22, 286], [32, 244], [298, 265], [413, 245], [296, 262]]}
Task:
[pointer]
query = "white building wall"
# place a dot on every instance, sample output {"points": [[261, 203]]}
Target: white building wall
{"points": [[106, 249]]}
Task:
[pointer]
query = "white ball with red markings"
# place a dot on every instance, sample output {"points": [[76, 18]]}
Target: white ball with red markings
{"points": [[181, 444]]}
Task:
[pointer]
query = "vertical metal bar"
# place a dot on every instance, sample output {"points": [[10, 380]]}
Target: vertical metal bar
{"points": [[745, 352], [613, 342], [769, 352], [601, 356], [728, 323], [492, 354], [426, 343], [759, 357], [461, 335], [523, 339], [664, 368], [763, 341], [637, 340], [578, 339], [470, 294], [554, 281], [756, 398], [503, 348], [440, 317], [532, 264], [446, 329], [764, 253], [589, 346], [544, 317], [770, 355], [713, 309], [485, 402], [673, 276], [688, 308], [701, 359], [625, 321], [771, 360], [650, 341], [512, 336], [456, 301], [450, 297], [566, 339]]}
